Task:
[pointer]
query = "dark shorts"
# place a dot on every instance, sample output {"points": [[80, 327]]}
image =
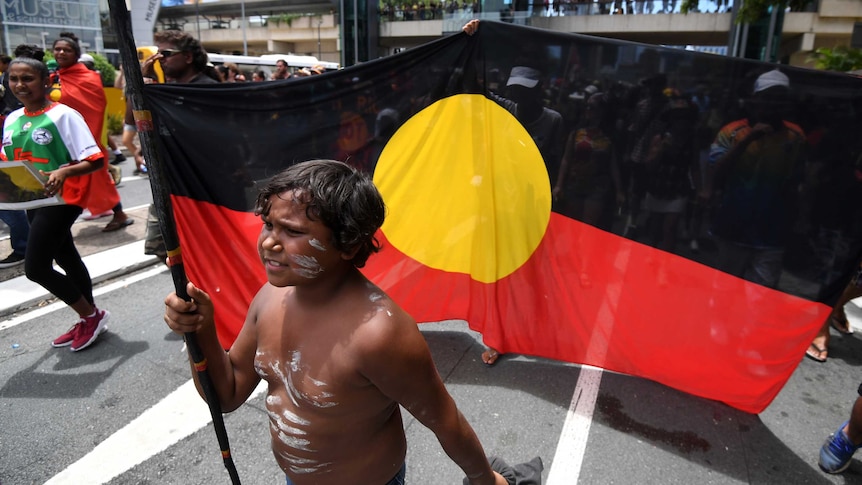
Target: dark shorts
{"points": [[398, 479]]}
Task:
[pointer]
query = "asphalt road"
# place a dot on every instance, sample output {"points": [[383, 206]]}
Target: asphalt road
{"points": [[121, 412]]}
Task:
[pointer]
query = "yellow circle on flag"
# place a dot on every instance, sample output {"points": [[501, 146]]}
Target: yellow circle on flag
{"points": [[465, 188]]}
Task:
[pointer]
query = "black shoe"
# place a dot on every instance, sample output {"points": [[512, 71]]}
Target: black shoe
{"points": [[118, 159], [13, 259]]}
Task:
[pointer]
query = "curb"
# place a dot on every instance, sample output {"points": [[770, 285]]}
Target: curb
{"points": [[19, 293]]}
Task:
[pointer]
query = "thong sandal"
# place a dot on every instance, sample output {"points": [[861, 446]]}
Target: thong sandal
{"points": [[840, 326], [814, 353], [117, 225]]}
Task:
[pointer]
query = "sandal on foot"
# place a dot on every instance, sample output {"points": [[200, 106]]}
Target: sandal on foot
{"points": [[840, 326], [117, 225], [815, 353]]}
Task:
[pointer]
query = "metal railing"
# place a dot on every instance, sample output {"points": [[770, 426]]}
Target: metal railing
{"points": [[398, 13]]}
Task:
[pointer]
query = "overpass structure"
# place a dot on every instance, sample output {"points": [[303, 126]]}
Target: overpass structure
{"points": [[312, 27]]}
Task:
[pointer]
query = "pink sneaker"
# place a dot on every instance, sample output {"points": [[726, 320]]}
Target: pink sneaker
{"points": [[66, 339], [91, 217], [89, 330]]}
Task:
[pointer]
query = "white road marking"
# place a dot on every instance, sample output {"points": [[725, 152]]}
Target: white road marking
{"points": [[175, 417], [569, 457], [38, 312]]}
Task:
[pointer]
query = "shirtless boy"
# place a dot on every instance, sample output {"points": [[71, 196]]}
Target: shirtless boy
{"points": [[337, 354]]}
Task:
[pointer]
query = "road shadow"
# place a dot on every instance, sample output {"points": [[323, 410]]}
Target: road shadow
{"points": [[60, 373], [708, 433], [847, 348]]}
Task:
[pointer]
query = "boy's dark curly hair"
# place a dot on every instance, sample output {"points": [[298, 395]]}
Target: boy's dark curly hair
{"points": [[342, 198]]}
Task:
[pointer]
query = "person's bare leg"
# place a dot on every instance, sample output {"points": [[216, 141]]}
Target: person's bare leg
{"points": [[129, 140], [819, 347], [139, 161], [119, 214], [83, 307], [854, 426], [119, 221], [839, 318], [129, 143]]}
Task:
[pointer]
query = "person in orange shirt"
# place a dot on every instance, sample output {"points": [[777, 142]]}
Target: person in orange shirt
{"points": [[80, 88]]}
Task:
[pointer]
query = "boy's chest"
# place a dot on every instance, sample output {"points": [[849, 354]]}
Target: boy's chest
{"points": [[311, 373], [303, 381]]}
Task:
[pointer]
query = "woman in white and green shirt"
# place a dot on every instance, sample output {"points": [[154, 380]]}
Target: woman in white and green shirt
{"points": [[58, 142]]}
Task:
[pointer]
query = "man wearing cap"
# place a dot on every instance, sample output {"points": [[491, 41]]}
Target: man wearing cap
{"points": [[87, 60], [757, 164], [524, 100], [545, 126]]}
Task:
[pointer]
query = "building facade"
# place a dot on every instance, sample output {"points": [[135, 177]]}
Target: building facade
{"points": [[325, 28], [40, 22]]}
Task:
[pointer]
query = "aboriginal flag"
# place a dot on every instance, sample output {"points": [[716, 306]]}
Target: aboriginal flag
{"points": [[570, 197]]}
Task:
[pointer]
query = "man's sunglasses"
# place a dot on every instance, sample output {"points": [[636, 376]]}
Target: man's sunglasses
{"points": [[169, 52]]}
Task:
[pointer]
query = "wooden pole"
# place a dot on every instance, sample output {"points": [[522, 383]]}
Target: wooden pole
{"points": [[121, 19]]}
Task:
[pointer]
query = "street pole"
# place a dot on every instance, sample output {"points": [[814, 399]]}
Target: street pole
{"points": [[770, 35], [244, 41], [355, 32], [734, 32], [161, 201], [319, 21], [198, 18], [342, 23]]}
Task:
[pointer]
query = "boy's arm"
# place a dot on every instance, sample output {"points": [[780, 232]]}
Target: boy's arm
{"points": [[232, 373], [397, 361]]}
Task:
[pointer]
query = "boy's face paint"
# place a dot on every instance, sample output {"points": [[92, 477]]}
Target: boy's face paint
{"points": [[290, 245], [317, 244]]}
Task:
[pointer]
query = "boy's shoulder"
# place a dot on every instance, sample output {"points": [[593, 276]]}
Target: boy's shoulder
{"points": [[268, 296], [380, 322]]}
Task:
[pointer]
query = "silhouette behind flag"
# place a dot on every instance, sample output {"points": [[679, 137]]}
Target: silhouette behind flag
{"points": [[475, 232]]}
